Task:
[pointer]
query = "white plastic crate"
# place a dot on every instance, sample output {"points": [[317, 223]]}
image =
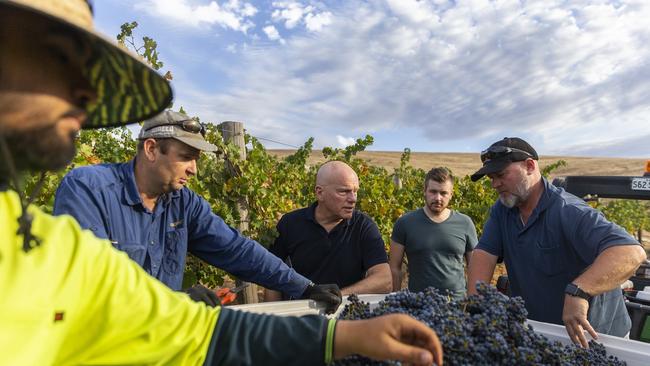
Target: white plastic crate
{"points": [[635, 353], [283, 308]]}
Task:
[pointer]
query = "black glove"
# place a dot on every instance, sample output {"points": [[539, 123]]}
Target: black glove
{"points": [[330, 294], [204, 294]]}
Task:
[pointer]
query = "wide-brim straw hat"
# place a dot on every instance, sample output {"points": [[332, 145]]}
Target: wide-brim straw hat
{"points": [[127, 89]]}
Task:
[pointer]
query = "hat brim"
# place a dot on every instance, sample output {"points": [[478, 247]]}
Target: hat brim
{"points": [[127, 89], [492, 166], [197, 143]]}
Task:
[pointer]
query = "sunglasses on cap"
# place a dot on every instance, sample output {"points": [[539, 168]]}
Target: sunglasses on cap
{"points": [[189, 125], [496, 152]]}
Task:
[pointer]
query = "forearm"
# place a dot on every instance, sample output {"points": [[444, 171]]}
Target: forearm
{"points": [[395, 260], [344, 338], [272, 295], [378, 282], [611, 268], [254, 339], [468, 257], [396, 274], [481, 268]]}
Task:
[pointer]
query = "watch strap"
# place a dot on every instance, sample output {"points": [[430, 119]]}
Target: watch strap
{"points": [[573, 290]]}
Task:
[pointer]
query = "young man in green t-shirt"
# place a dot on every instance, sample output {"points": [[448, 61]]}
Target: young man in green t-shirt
{"points": [[436, 240], [69, 298]]}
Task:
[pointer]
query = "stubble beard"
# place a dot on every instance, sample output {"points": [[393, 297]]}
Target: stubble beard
{"points": [[39, 149], [435, 210], [520, 194]]}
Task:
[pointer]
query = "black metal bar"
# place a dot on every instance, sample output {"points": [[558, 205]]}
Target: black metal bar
{"points": [[602, 187]]}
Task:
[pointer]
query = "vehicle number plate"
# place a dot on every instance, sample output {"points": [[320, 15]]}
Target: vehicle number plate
{"points": [[641, 184]]}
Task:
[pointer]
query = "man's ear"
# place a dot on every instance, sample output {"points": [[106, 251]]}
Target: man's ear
{"points": [[530, 164], [150, 149], [318, 190]]}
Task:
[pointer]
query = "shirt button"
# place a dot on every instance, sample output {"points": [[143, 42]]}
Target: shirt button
{"points": [[152, 243]]}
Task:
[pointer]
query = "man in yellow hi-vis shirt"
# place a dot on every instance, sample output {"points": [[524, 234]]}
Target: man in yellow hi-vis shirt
{"points": [[69, 298]]}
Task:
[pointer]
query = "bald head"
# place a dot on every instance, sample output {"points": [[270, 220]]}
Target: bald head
{"points": [[334, 171], [336, 190]]}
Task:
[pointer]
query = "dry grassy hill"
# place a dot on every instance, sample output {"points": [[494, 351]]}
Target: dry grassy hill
{"points": [[462, 164]]}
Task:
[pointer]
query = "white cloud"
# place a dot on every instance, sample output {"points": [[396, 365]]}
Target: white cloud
{"points": [[234, 14], [293, 13], [345, 141], [288, 11], [243, 8], [562, 72], [272, 33], [316, 22], [413, 10]]}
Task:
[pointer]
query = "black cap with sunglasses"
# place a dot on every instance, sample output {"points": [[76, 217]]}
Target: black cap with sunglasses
{"points": [[501, 153], [170, 124]]}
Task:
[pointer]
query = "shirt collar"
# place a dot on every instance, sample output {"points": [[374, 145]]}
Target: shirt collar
{"points": [[130, 193], [310, 214], [545, 198]]}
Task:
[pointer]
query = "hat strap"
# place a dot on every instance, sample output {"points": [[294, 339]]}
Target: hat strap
{"points": [[30, 241]]}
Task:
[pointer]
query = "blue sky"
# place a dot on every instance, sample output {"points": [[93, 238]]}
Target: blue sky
{"points": [[571, 77]]}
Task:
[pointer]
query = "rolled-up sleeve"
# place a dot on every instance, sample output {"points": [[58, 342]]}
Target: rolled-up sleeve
{"points": [[220, 245]]}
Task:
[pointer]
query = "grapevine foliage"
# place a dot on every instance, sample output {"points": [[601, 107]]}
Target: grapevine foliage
{"points": [[273, 186], [483, 329]]}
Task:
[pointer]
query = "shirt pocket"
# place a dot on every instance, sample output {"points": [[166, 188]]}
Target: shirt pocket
{"points": [[136, 251], [548, 258], [175, 249]]}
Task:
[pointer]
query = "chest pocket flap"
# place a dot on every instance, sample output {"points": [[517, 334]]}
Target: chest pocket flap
{"points": [[549, 258], [175, 250]]}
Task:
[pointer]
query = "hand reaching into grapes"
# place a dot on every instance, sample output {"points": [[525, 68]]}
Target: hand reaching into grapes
{"points": [[390, 337], [574, 316]]}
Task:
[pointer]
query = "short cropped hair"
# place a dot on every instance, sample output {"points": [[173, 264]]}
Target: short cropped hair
{"points": [[440, 175], [163, 145]]}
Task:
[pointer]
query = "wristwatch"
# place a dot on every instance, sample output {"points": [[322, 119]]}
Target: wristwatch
{"points": [[573, 290]]}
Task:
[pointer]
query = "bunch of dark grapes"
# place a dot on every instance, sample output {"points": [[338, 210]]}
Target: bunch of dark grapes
{"points": [[483, 329]]}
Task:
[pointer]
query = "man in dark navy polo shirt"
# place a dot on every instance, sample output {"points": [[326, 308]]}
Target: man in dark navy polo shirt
{"points": [[563, 257], [331, 241], [144, 208]]}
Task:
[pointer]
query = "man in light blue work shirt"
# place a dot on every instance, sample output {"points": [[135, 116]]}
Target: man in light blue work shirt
{"points": [[563, 257], [145, 209]]}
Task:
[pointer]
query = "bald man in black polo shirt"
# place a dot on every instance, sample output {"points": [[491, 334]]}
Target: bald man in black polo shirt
{"points": [[330, 241]]}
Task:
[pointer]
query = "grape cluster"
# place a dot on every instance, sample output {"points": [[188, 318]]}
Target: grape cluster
{"points": [[483, 329]]}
